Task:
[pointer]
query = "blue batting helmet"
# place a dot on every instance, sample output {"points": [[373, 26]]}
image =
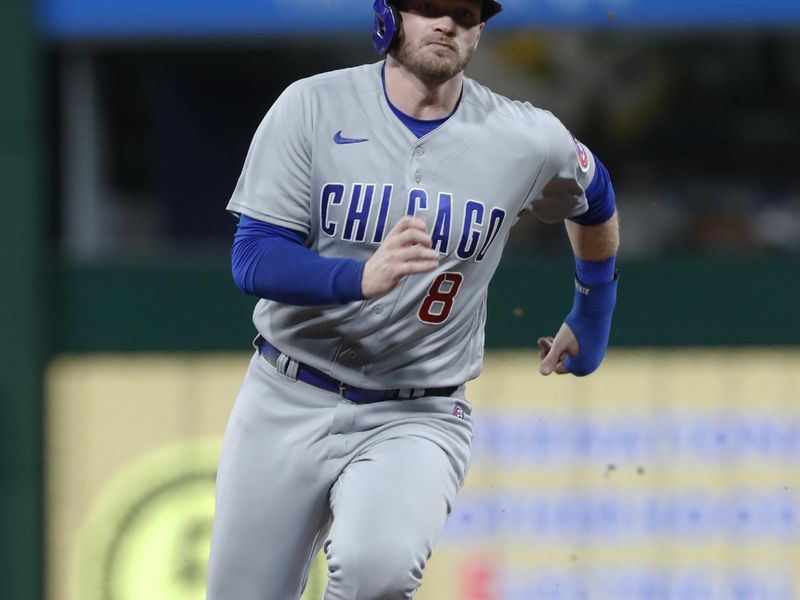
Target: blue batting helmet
{"points": [[387, 21]]}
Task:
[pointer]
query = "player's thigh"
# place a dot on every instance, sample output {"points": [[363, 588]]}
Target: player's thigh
{"points": [[272, 491], [389, 506]]}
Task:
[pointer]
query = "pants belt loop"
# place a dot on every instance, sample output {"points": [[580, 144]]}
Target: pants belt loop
{"points": [[287, 366], [257, 342], [292, 368]]}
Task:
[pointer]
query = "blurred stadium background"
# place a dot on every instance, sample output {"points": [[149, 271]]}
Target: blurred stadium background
{"points": [[674, 473]]}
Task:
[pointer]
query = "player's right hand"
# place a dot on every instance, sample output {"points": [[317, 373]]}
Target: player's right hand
{"points": [[406, 250]]}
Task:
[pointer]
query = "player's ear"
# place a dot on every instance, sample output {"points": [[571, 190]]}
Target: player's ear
{"points": [[478, 39]]}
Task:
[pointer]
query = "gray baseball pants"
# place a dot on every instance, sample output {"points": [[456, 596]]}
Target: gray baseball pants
{"points": [[296, 459]]}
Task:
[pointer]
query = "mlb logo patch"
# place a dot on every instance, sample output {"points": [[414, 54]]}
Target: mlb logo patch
{"points": [[583, 156], [458, 411]]}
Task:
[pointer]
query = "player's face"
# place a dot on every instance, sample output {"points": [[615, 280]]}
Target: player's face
{"points": [[438, 37]]}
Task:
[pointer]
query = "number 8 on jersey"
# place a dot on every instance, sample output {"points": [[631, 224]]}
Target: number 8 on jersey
{"points": [[438, 302]]}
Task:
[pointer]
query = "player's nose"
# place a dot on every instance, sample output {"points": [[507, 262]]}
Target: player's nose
{"points": [[445, 24]]}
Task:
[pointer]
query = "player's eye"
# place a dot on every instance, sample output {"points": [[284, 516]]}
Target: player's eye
{"points": [[467, 17], [427, 8], [421, 7]]}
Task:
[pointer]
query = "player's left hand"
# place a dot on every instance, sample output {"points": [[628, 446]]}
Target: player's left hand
{"points": [[554, 351], [580, 344]]}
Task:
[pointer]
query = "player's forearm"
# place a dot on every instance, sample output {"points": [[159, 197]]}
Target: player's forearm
{"points": [[594, 242], [272, 262], [589, 321], [580, 345]]}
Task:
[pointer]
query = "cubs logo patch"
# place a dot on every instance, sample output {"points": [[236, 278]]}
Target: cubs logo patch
{"points": [[583, 156], [458, 411]]}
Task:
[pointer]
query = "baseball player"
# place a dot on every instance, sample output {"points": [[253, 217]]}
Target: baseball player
{"points": [[373, 208]]}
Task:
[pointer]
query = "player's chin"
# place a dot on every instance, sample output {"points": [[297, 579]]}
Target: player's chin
{"points": [[443, 55], [439, 68]]}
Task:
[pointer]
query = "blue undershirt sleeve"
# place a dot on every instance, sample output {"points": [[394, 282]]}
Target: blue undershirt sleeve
{"points": [[600, 196], [273, 262]]}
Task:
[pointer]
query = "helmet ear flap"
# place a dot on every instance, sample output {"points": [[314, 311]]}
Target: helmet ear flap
{"points": [[387, 25]]}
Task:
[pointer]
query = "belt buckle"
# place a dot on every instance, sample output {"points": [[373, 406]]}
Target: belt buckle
{"points": [[342, 388]]}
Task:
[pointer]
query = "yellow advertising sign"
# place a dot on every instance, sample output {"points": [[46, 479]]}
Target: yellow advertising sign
{"points": [[153, 518], [664, 475]]}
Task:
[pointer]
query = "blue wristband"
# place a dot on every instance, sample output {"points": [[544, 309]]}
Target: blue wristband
{"points": [[590, 321], [593, 272]]}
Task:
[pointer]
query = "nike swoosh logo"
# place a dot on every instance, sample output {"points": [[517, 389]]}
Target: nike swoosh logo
{"points": [[337, 137]]}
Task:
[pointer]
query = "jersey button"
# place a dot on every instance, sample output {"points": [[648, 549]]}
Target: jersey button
{"points": [[419, 152], [378, 310], [351, 355], [417, 176]]}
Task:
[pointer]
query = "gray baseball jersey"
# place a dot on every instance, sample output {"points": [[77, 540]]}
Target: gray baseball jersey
{"points": [[331, 160]]}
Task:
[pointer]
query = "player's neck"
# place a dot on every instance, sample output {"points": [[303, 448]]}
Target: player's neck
{"points": [[417, 98]]}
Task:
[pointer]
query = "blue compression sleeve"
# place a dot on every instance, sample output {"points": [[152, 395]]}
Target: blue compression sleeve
{"points": [[272, 262], [591, 272], [590, 321], [600, 196]]}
